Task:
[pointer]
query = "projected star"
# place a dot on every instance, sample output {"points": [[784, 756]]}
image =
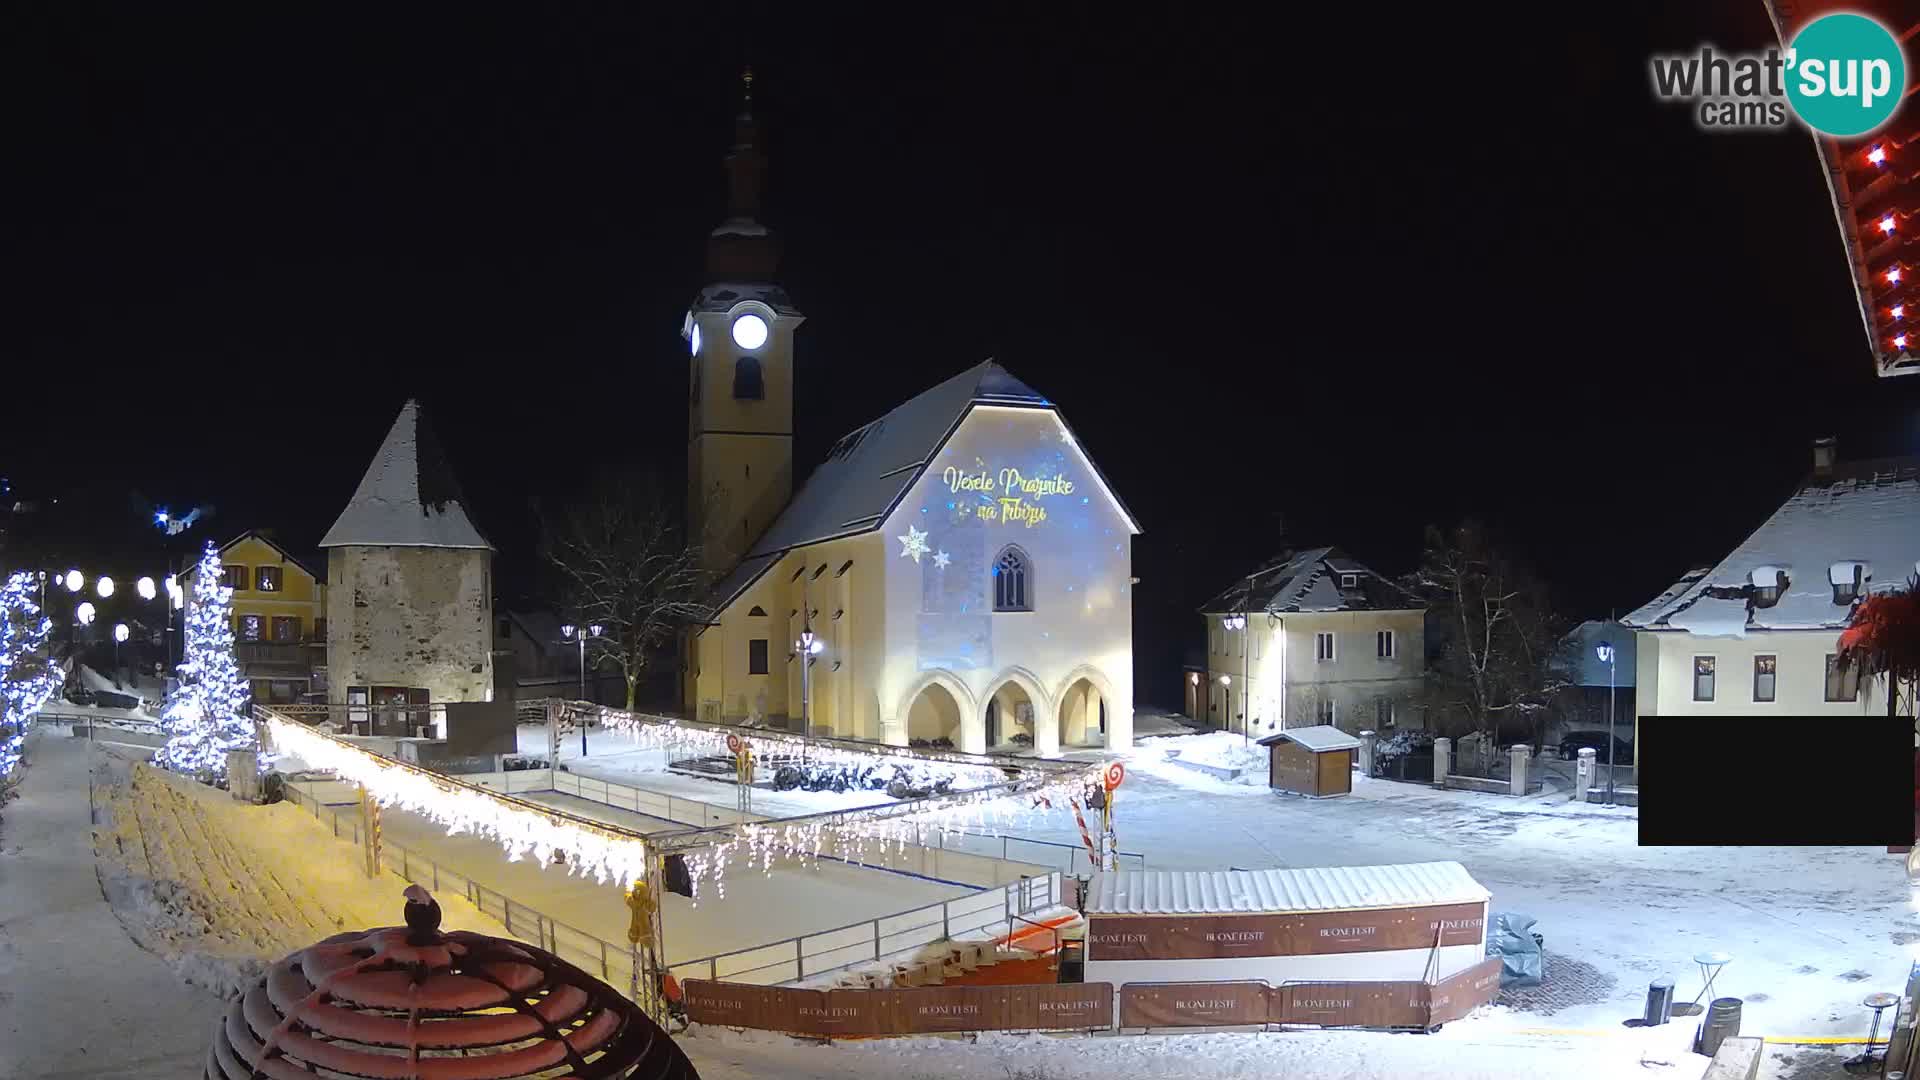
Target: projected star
{"points": [[941, 559], [913, 544], [1063, 434]]}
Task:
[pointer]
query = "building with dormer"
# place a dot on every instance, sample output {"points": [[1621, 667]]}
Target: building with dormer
{"points": [[1759, 631], [955, 572]]}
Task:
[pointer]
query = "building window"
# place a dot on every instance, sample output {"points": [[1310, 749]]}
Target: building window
{"points": [[757, 656], [747, 384], [251, 627], [1349, 581], [1703, 678], [266, 578], [1764, 668], [1383, 712], [236, 577], [1323, 646], [286, 629], [1842, 685], [1383, 644], [1213, 636], [1327, 711], [1011, 587]]}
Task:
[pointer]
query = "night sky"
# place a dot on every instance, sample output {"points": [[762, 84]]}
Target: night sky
{"points": [[1344, 277]]}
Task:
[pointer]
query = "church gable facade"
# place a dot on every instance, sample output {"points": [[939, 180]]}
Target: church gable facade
{"points": [[989, 609]]}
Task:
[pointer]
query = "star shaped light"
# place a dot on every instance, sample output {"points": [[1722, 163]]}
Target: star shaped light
{"points": [[941, 559], [913, 544], [1063, 434]]}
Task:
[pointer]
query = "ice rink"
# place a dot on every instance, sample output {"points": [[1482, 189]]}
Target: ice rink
{"points": [[758, 907]]}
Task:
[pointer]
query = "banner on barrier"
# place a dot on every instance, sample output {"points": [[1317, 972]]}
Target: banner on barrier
{"points": [[1215, 937]]}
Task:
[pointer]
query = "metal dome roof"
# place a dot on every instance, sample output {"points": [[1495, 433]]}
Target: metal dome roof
{"points": [[417, 1004]]}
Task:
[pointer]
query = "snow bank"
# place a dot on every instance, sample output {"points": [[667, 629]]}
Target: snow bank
{"points": [[219, 888], [1213, 749]]}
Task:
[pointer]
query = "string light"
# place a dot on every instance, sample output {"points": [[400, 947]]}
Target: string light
{"points": [[207, 715], [1886, 224], [1877, 155], [1893, 276], [609, 855], [27, 675], [1899, 311], [1900, 341]]}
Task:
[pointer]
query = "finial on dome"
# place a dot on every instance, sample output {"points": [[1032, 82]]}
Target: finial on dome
{"points": [[746, 89], [422, 914]]}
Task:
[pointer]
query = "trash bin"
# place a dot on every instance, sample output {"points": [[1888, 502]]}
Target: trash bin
{"points": [[1722, 1022], [1659, 1002]]}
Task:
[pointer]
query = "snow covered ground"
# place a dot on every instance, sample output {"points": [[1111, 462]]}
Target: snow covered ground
{"points": [[1811, 930], [221, 888], [1473, 1049]]}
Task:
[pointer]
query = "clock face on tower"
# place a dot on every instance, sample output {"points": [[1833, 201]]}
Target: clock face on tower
{"points": [[749, 331]]}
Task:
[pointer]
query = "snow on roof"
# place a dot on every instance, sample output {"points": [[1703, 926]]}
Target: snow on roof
{"points": [[1326, 888], [1584, 666], [1308, 581], [408, 497], [1317, 738], [872, 468], [1866, 512]]}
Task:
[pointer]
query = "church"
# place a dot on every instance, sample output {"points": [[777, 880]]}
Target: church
{"points": [[955, 573]]}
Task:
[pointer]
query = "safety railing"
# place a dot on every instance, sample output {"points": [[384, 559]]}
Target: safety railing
{"points": [[675, 808], [614, 962], [807, 955]]}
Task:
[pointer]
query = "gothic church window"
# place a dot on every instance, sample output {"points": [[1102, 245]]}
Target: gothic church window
{"points": [[1012, 581]]}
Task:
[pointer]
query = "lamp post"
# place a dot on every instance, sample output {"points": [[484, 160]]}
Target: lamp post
{"points": [[809, 646], [1605, 652], [119, 635], [1239, 623], [582, 635]]}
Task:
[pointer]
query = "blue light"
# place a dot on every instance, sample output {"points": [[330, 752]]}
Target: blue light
{"points": [[159, 517]]}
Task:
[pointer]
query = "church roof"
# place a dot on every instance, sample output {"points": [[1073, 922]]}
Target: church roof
{"points": [[408, 497], [872, 468]]}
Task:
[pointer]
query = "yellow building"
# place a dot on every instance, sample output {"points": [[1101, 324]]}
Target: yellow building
{"points": [[956, 572], [279, 618]]}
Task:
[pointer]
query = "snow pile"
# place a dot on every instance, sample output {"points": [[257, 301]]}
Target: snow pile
{"points": [[1214, 750], [219, 888]]}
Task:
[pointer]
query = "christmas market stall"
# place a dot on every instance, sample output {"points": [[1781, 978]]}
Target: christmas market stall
{"points": [[1314, 761], [1328, 939]]}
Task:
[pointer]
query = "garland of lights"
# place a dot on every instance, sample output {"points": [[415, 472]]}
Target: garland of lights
{"points": [[27, 675], [610, 855], [207, 715]]}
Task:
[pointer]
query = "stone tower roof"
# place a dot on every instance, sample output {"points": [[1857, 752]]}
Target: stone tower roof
{"points": [[408, 497]]}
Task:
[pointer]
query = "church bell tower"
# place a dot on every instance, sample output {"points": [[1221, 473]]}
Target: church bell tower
{"points": [[739, 332]]}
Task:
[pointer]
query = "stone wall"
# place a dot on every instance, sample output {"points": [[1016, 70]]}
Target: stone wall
{"points": [[410, 616]]}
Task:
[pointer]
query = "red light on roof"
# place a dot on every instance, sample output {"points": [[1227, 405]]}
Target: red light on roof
{"points": [[1893, 276], [1900, 342], [1877, 155], [1898, 311], [1886, 224]]}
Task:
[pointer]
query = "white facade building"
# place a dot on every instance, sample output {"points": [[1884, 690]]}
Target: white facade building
{"points": [[1758, 632], [1312, 637]]}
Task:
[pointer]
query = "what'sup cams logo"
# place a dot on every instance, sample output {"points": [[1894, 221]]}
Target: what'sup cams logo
{"points": [[1842, 75]]}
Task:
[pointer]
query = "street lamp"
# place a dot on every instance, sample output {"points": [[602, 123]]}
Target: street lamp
{"points": [[1605, 652], [74, 580], [581, 636], [105, 587], [145, 588], [809, 646], [84, 612]]}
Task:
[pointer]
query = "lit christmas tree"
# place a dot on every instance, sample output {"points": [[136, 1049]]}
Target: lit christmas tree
{"points": [[207, 715], [27, 675]]}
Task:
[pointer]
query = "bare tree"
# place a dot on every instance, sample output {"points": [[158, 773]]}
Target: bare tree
{"points": [[622, 561], [1498, 662]]}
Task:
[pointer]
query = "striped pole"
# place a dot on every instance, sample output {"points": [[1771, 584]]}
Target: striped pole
{"points": [[1085, 837]]}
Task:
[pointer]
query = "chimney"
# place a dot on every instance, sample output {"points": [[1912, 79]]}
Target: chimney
{"points": [[1824, 451]]}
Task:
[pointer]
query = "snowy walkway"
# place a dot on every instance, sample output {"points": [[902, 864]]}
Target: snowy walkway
{"points": [[78, 999]]}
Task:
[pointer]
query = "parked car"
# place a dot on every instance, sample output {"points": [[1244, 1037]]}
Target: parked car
{"points": [[1576, 741]]}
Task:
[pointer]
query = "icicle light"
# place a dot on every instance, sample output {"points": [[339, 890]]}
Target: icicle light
{"points": [[609, 855]]}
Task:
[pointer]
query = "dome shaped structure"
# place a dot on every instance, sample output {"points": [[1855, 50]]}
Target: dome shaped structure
{"points": [[413, 1003]]}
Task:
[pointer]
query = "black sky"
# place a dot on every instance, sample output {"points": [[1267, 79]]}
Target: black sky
{"points": [[1359, 270]]}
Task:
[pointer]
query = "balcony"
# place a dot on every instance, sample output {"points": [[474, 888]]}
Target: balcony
{"points": [[278, 657]]}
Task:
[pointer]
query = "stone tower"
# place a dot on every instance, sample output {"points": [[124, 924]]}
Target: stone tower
{"points": [[740, 403], [410, 597]]}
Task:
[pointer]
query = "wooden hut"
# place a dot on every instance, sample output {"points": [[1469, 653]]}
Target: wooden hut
{"points": [[1315, 761]]}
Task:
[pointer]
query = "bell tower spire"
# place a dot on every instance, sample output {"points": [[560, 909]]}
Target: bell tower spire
{"points": [[742, 249]]}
